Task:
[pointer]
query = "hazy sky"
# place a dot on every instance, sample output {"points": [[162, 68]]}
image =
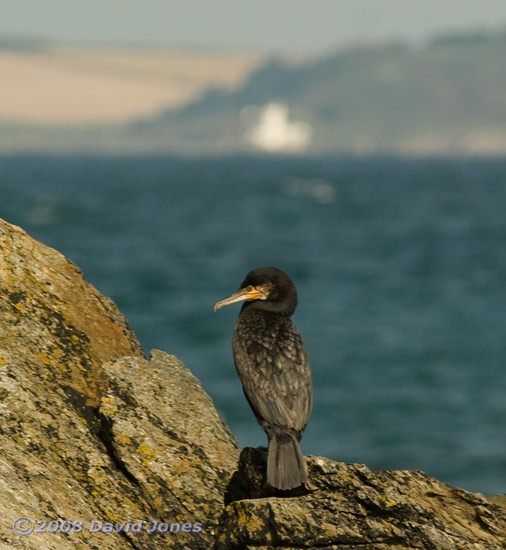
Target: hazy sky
{"points": [[301, 26]]}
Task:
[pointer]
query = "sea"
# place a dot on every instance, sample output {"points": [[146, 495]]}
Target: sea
{"points": [[400, 266]]}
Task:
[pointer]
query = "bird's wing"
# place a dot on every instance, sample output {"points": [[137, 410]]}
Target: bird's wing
{"points": [[276, 376]]}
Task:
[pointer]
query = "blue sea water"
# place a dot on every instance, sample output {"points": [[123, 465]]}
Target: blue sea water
{"points": [[400, 267]]}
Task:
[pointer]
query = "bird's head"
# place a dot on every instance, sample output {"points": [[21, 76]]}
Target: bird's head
{"points": [[266, 288]]}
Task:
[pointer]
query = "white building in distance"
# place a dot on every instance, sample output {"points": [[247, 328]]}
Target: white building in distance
{"points": [[274, 132]]}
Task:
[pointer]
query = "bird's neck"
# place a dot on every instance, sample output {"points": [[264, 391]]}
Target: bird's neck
{"points": [[280, 307]]}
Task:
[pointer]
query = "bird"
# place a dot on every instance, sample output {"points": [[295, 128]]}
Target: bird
{"points": [[274, 369]]}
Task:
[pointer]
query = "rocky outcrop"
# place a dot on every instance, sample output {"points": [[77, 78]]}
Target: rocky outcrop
{"points": [[165, 435], [101, 448], [91, 432], [55, 327], [348, 506]]}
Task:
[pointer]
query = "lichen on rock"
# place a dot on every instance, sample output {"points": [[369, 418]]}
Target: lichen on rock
{"points": [[349, 506], [86, 436], [94, 433]]}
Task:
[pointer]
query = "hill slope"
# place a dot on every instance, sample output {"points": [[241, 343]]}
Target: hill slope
{"points": [[449, 96], [446, 97]]}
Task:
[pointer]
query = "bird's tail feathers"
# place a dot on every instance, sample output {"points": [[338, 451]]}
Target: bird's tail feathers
{"points": [[286, 468]]}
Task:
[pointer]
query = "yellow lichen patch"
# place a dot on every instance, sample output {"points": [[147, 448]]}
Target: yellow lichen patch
{"points": [[242, 518], [53, 360], [252, 522], [3, 360], [387, 501], [55, 357], [57, 354], [82, 419], [131, 505], [178, 467], [111, 516], [74, 338], [61, 366], [147, 452], [108, 406], [123, 439], [158, 502], [44, 358], [20, 307]]}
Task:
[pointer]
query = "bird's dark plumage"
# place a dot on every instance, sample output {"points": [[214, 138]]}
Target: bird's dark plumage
{"points": [[272, 363]]}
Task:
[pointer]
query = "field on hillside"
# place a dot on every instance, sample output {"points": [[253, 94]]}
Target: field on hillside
{"points": [[80, 86]]}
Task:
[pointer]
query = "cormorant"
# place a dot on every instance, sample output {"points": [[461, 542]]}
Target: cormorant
{"points": [[274, 369]]}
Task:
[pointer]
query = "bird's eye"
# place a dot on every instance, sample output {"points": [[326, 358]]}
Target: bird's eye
{"points": [[249, 288]]}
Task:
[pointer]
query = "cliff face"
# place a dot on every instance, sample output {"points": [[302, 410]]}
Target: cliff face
{"points": [[131, 453]]}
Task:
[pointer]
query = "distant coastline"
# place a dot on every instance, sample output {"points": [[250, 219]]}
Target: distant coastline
{"points": [[445, 97]]}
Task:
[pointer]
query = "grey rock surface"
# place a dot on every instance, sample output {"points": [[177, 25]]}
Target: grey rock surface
{"points": [[170, 442], [86, 436], [348, 506]]}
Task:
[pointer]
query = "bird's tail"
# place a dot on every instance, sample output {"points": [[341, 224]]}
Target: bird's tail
{"points": [[285, 463]]}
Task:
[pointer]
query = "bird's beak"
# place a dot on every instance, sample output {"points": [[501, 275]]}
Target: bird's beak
{"points": [[239, 296]]}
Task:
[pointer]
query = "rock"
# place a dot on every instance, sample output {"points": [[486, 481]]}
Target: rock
{"points": [[348, 506], [53, 322], [88, 437], [169, 440], [94, 434]]}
